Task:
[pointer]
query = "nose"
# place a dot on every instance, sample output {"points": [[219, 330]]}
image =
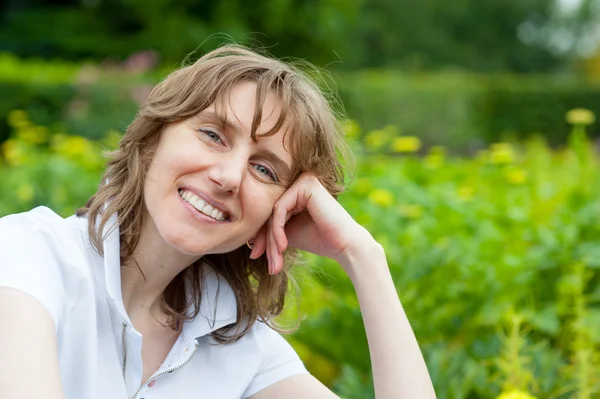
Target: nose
{"points": [[228, 172]]}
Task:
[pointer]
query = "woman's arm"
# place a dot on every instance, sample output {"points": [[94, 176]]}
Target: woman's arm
{"points": [[28, 348], [309, 218], [399, 370]]}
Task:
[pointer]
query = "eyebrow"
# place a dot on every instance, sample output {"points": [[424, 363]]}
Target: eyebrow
{"points": [[213, 117], [278, 163]]}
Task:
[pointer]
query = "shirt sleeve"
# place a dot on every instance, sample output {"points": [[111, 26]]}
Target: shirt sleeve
{"points": [[279, 360], [29, 260]]}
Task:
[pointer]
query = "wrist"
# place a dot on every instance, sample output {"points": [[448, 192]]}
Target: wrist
{"points": [[367, 256]]}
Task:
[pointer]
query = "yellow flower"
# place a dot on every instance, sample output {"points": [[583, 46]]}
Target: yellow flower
{"points": [[515, 394], [17, 119], [72, 147], [78, 149], [381, 197], [411, 211], [351, 128], [78, 146], [580, 116], [517, 177], [465, 193], [25, 192], [406, 144], [13, 152], [436, 157], [33, 134], [502, 153], [376, 139]]}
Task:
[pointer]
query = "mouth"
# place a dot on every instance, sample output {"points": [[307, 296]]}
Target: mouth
{"points": [[204, 207]]}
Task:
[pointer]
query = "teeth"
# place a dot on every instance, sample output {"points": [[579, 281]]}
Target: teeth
{"points": [[202, 206]]}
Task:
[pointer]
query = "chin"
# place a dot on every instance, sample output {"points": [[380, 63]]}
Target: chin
{"points": [[196, 245], [183, 240]]}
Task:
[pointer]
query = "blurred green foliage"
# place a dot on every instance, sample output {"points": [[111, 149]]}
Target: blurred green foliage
{"points": [[44, 167], [80, 98], [495, 257], [477, 246], [503, 35], [462, 111]]}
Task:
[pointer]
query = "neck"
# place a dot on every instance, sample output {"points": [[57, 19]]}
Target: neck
{"points": [[148, 272]]}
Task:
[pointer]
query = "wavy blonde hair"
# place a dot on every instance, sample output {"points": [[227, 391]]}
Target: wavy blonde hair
{"points": [[316, 144]]}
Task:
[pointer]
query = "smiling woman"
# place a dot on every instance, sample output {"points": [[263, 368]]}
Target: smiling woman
{"points": [[166, 284]]}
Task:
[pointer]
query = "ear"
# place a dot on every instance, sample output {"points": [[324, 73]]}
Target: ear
{"points": [[260, 242]]}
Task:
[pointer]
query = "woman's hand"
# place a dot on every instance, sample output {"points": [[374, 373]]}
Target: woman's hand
{"points": [[307, 217]]}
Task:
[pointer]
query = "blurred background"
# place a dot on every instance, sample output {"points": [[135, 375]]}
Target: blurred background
{"points": [[473, 125]]}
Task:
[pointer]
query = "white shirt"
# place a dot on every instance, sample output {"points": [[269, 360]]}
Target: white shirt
{"points": [[52, 259]]}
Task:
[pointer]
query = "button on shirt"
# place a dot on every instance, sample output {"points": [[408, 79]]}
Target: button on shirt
{"points": [[52, 259]]}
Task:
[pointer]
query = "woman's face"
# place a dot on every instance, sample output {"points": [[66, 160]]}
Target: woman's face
{"points": [[209, 187]]}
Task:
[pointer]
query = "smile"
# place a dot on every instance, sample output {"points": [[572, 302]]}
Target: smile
{"points": [[202, 206]]}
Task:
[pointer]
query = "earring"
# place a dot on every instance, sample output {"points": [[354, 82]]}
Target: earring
{"points": [[250, 245]]}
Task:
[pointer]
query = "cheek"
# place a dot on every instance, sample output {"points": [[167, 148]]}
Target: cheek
{"points": [[175, 154], [261, 200], [167, 170]]}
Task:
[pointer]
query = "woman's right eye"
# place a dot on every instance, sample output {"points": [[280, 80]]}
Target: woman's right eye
{"points": [[211, 135]]}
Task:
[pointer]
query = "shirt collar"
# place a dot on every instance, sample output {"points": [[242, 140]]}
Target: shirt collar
{"points": [[218, 307]]}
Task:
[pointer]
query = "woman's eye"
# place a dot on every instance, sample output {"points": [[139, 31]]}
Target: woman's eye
{"points": [[265, 171], [211, 135]]}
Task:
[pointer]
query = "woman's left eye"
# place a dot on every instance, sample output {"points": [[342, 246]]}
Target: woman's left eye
{"points": [[211, 135], [265, 171]]}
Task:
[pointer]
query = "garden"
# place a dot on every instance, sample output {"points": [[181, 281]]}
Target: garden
{"points": [[495, 257], [477, 159]]}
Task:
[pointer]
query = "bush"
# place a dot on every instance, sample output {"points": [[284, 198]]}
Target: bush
{"points": [[39, 167], [464, 112], [526, 106], [476, 246], [435, 107], [82, 99]]}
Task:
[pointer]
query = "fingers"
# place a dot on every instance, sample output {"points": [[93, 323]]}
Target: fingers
{"points": [[291, 203], [260, 243], [279, 219], [274, 255], [264, 243], [271, 238]]}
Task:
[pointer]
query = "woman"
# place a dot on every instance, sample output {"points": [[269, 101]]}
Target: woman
{"points": [[165, 285]]}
